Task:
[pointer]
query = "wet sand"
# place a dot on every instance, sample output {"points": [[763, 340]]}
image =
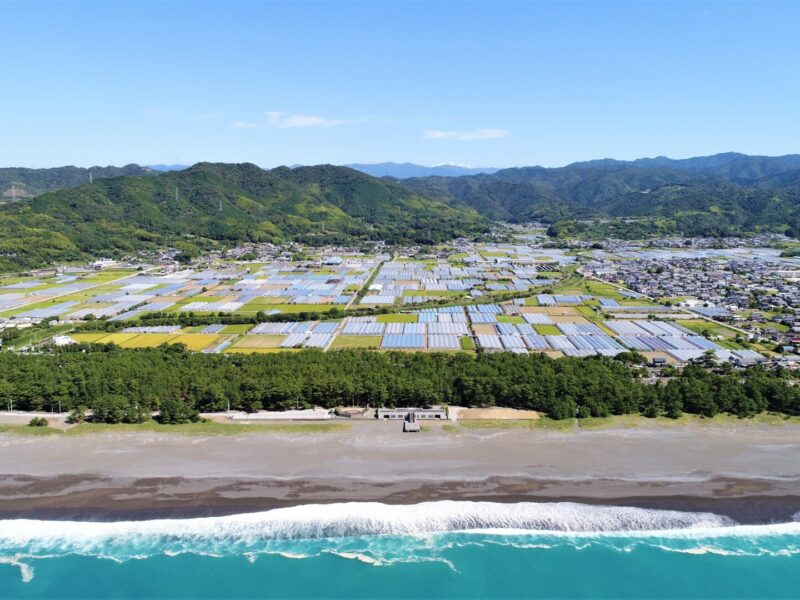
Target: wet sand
{"points": [[749, 472]]}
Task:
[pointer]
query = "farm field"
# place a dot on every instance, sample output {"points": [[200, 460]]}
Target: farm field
{"points": [[196, 341], [258, 341], [146, 340], [356, 341]]}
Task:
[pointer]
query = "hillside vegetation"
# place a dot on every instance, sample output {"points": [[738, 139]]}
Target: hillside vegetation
{"points": [[726, 194], [38, 181], [223, 203]]}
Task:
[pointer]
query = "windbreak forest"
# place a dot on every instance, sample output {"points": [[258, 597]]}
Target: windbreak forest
{"points": [[129, 385]]}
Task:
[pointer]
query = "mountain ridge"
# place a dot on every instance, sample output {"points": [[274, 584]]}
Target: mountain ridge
{"points": [[223, 203]]}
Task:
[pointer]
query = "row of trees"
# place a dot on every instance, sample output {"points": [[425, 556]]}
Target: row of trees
{"points": [[128, 385]]}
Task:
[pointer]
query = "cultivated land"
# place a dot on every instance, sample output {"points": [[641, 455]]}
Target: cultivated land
{"points": [[490, 297]]}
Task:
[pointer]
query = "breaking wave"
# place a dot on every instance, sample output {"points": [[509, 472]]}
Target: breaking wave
{"points": [[380, 535]]}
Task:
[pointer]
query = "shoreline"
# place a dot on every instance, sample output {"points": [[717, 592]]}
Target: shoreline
{"points": [[94, 498], [749, 473]]}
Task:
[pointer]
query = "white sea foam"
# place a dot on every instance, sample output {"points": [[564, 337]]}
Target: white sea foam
{"points": [[25, 570], [383, 534], [359, 519]]}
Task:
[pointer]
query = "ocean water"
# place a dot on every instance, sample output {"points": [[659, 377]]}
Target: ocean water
{"points": [[434, 549]]}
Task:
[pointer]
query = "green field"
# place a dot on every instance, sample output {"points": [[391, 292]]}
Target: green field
{"points": [[397, 318], [547, 330], [254, 307], [199, 428], [510, 319], [237, 329], [258, 341], [356, 341], [436, 293], [544, 424]]}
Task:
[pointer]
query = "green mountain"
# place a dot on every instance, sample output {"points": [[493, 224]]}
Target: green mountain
{"points": [[536, 193], [32, 182], [230, 203], [725, 194], [728, 166]]}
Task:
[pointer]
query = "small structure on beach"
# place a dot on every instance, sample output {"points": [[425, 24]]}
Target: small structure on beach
{"points": [[410, 424]]}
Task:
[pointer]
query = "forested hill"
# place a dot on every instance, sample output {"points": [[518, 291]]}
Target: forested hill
{"points": [[223, 202], [31, 182], [724, 194]]}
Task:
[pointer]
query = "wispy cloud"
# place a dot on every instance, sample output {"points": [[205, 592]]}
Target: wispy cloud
{"points": [[287, 121], [466, 136], [244, 125]]}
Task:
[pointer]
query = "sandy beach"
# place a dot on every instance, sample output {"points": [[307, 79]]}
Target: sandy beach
{"points": [[748, 471]]}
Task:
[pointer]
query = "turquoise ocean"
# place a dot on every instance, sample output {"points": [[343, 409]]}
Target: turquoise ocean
{"points": [[445, 549]]}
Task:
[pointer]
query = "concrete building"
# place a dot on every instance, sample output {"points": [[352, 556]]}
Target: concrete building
{"points": [[425, 414]]}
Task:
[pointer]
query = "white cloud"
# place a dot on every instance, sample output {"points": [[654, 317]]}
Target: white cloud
{"points": [[244, 125], [286, 121], [464, 136]]}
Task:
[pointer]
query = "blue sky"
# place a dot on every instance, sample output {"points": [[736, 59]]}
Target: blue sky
{"points": [[480, 84]]}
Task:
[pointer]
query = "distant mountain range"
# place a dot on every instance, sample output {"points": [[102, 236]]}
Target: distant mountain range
{"points": [[130, 208], [724, 194], [38, 181], [407, 170]]}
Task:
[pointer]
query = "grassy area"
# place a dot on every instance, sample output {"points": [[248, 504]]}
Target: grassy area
{"points": [[356, 341], [707, 328], [259, 341], [721, 420], [27, 430], [237, 329], [545, 424], [254, 306], [435, 293], [771, 325], [206, 428], [397, 318], [626, 422], [510, 319], [547, 330], [35, 335], [600, 288], [467, 343]]}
